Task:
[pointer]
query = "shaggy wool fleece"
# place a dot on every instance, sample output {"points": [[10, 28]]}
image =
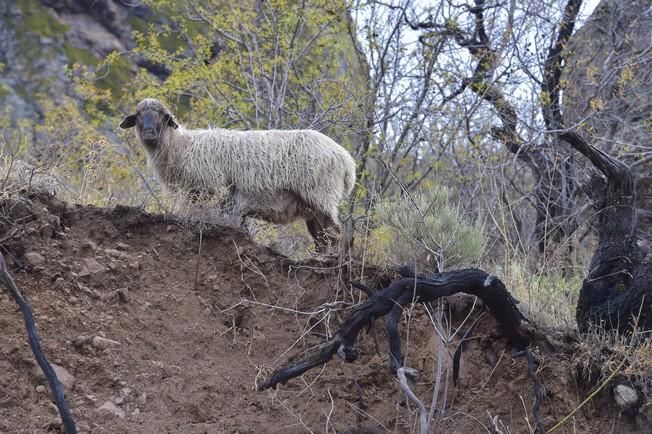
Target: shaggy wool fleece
{"points": [[279, 175]]}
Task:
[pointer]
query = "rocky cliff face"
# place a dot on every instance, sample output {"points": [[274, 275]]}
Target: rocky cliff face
{"points": [[39, 39], [608, 90]]}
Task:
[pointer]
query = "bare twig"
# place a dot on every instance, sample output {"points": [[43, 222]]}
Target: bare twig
{"points": [[424, 426], [538, 389]]}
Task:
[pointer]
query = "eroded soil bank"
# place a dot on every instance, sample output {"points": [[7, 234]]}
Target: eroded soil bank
{"points": [[158, 336]]}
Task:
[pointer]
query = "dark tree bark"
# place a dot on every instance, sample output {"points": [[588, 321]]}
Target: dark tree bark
{"points": [[619, 284]]}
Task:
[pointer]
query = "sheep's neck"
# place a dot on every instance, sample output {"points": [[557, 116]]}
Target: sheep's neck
{"points": [[161, 159]]}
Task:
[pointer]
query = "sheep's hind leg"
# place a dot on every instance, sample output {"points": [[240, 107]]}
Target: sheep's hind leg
{"points": [[322, 229]]}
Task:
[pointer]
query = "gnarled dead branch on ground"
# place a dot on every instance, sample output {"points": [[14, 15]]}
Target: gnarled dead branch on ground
{"points": [[393, 299]]}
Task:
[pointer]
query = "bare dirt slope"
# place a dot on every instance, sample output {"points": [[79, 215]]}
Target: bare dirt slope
{"points": [[192, 332]]}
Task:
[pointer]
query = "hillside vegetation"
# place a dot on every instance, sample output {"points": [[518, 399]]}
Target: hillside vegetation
{"points": [[507, 138]]}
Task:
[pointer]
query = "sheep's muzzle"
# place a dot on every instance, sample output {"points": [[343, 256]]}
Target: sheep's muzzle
{"points": [[151, 125]]}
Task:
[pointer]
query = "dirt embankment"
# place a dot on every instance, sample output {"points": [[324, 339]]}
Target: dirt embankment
{"points": [[160, 333]]}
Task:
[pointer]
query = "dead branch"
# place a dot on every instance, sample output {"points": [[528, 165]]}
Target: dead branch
{"points": [[553, 66], [30, 325], [392, 300]]}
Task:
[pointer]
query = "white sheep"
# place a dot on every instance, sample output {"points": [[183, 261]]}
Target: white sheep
{"points": [[277, 175]]}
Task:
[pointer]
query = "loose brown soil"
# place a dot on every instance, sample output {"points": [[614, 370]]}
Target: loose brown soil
{"points": [[197, 326]]}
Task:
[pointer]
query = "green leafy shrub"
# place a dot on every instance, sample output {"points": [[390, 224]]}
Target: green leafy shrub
{"points": [[426, 230]]}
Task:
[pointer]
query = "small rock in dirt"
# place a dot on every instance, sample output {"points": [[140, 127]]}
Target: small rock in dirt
{"points": [[40, 388], [122, 246], [121, 293], [86, 290], [59, 284], [136, 412], [20, 210], [625, 396], [81, 340], [90, 267], [89, 245], [125, 391], [142, 398], [47, 231], [110, 407], [33, 258], [54, 425], [135, 266], [53, 409], [491, 356], [73, 300], [118, 400], [66, 379], [113, 253], [103, 343]]}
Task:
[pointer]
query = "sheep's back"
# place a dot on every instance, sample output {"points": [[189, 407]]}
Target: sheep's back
{"points": [[272, 160]]}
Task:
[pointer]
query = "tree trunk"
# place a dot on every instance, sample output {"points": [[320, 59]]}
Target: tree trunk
{"points": [[617, 293]]}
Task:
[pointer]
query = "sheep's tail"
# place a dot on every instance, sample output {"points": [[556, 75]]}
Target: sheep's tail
{"points": [[349, 176]]}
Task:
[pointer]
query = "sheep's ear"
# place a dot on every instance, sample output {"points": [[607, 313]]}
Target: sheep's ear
{"points": [[129, 122], [171, 122]]}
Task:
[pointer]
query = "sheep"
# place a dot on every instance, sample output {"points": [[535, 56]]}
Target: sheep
{"points": [[275, 175]]}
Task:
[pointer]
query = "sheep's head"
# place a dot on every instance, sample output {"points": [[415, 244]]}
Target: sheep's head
{"points": [[150, 120]]}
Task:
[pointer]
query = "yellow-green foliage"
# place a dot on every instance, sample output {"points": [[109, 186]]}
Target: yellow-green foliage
{"points": [[547, 296], [276, 64], [425, 229], [93, 169], [37, 19]]}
